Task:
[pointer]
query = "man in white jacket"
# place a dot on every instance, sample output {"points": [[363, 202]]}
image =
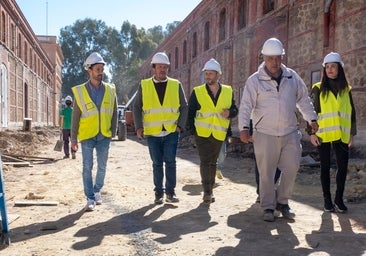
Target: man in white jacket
{"points": [[272, 95]]}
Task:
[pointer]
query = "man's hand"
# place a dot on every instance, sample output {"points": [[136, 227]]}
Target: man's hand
{"points": [[245, 137], [140, 133], [314, 127], [225, 113], [74, 146]]}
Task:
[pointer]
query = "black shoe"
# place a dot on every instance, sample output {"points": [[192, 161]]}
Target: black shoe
{"points": [[328, 205], [340, 207], [207, 198], [171, 198], [66, 156], [258, 200], [268, 215], [159, 198], [286, 211]]}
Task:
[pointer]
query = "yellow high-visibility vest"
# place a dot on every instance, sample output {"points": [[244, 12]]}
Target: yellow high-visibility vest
{"points": [[334, 120], [156, 115], [208, 119], [93, 120]]}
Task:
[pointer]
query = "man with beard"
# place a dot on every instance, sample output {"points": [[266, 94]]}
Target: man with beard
{"points": [[210, 107], [94, 123]]}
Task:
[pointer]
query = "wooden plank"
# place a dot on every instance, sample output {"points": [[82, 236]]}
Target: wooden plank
{"points": [[7, 158], [27, 156], [34, 202], [20, 164]]}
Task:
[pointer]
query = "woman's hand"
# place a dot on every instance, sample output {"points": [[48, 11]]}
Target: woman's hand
{"points": [[314, 140]]}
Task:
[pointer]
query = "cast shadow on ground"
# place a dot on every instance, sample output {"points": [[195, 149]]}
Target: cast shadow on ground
{"points": [[258, 237], [134, 223], [36, 230], [140, 223], [196, 220], [333, 242]]}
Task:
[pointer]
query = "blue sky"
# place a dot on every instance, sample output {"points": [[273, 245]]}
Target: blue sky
{"points": [[47, 17]]}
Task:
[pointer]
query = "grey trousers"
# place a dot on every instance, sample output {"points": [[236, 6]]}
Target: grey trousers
{"points": [[271, 152]]}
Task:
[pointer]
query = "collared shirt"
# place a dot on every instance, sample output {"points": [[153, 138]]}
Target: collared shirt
{"points": [[96, 94]]}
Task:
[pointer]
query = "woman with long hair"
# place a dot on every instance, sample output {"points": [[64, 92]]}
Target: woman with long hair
{"points": [[337, 125]]}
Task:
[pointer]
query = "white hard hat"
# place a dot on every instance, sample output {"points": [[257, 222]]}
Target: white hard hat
{"points": [[93, 58], [332, 57], [273, 47], [212, 64], [160, 58], [68, 98]]}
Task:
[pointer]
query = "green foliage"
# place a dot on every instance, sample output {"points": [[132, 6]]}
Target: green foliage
{"points": [[124, 51]]}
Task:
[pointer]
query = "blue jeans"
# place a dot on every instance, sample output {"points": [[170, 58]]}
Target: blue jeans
{"points": [[102, 148], [163, 150], [221, 157]]}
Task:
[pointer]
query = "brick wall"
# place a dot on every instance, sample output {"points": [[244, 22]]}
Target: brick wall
{"points": [[300, 25]]}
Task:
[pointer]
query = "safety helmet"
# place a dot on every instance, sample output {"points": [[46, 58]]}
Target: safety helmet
{"points": [[273, 47], [93, 58], [160, 58], [68, 98], [212, 64], [332, 57]]}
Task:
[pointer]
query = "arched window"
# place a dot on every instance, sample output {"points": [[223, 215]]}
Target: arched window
{"points": [[207, 36], [184, 52], [3, 27], [176, 55], [194, 45], [222, 30], [268, 5], [241, 14]]}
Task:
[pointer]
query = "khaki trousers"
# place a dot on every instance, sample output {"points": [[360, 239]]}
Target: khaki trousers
{"points": [[272, 152]]}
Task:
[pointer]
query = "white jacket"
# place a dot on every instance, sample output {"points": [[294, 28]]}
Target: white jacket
{"points": [[274, 112]]}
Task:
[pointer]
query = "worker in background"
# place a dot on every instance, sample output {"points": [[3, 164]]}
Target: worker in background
{"points": [[210, 107], [66, 114], [94, 123], [333, 102], [160, 113], [272, 95]]}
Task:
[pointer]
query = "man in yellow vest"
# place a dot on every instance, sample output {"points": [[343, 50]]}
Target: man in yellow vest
{"points": [[210, 107], [94, 123], [160, 113]]}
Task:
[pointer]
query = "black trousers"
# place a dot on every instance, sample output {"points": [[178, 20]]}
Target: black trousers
{"points": [[208, 151], [342, 155]]}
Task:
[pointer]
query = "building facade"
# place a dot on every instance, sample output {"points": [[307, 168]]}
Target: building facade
{"points": [[233, 32], [30, 71]]}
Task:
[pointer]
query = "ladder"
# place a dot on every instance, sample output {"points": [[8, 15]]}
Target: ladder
{"points": [[4, 236]]}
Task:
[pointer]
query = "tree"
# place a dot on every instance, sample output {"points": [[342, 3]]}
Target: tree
{"points": [[124, 51], [78, 41], [170, 27]]}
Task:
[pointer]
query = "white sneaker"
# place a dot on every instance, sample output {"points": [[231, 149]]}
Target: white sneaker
{"points": [[90, 205], [98, 198]]}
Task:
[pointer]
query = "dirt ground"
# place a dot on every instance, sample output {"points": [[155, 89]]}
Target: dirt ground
{"points": [[129, 223]]}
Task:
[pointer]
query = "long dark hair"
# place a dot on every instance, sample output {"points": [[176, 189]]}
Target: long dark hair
{"points": [[341, 81]]}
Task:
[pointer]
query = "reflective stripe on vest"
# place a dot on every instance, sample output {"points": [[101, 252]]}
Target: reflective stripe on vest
{"points": [[156, 115], [208, 119], [93, 120], [335, 117]]}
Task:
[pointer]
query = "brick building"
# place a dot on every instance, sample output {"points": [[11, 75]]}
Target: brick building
{"points": [[233, 31], [30, 69]]}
